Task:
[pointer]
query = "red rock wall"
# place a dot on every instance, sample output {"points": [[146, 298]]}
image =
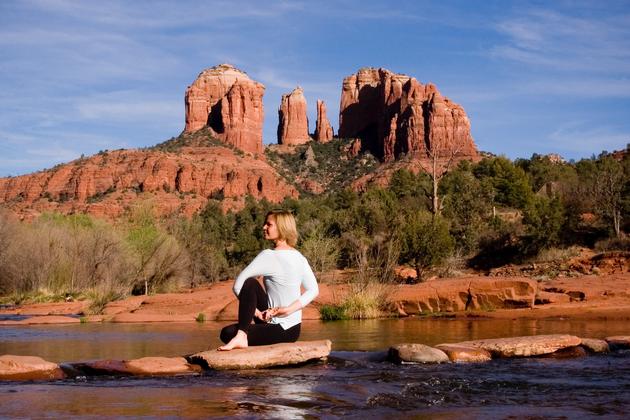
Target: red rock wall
{"points": [[395, 114], [230, 103], [106, 184], [292, 119]]}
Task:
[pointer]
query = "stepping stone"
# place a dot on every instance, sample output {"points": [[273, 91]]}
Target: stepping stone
{"points": [[23, 368], [595, 345], [257, 357], [416, 353], [619, 342], [464, 354], [146, 366], [534, 345]]}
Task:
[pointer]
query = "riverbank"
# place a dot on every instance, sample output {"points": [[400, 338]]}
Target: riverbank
{"points": [[584, 297]]}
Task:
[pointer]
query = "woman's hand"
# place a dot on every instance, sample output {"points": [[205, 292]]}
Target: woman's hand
{"points": [[260, 315]]}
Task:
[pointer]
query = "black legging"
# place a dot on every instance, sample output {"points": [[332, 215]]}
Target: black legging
{"points": [[252, 297]]}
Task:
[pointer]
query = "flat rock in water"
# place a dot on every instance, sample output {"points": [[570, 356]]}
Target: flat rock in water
{"points": [[619, 342], [22, 368], [146, 366], [256, 357], [416, 353], [464, 354], [567, 353], [534, 345], [595, 345]]}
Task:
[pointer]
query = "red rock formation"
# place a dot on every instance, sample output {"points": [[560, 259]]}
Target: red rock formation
{"points": [[230, 103], [323, 129], [292, 119], [108, 183], [395, 114]]}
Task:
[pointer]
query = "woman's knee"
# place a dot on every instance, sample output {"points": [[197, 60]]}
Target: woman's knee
{"points": [[227, 333]]}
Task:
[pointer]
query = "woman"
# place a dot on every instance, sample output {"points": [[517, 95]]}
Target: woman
{"points": [[277, 309]]}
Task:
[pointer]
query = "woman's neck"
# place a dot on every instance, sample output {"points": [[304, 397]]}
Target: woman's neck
{"points": [[281, 244]]}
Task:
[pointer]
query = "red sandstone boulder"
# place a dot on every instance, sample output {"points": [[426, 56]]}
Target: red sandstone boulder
{"points": [[283, 354], [535, 345], [416, 353], [395, 114], [292, 119], [230, 103], [619, 342], [464, 354], [22, 368], [461, 294], [595, 345], [146, 366], [323, 129]]}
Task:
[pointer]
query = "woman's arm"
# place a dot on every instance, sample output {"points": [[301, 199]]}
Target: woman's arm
{"points": [[311, 290], [260, 266]]}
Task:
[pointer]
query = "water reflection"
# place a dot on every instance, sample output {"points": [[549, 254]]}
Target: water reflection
{"points": [[78, 342]]}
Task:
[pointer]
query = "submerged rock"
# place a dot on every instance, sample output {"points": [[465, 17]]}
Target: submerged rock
{"points": [[464, 354], [282, 354], [416, 353], [535, 345], [22, 368]]}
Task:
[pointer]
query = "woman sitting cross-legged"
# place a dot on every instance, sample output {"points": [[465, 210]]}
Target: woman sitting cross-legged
{"points": [[276, 309]]}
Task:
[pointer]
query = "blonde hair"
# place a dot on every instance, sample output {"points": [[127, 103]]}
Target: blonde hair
{"points": [[287, 228]]}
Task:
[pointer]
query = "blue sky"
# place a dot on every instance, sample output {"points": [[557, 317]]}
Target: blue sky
{"points": [[77, 77]]}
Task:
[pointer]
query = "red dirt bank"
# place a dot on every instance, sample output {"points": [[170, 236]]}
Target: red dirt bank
{"points": [[587, 297]]}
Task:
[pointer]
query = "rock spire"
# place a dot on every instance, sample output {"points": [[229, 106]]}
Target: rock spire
{"points": [[394, 114], [292, 119], [323, 129], [230, 103]]}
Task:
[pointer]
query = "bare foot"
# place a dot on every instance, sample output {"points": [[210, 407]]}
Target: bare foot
{"points": [[238, 342]]}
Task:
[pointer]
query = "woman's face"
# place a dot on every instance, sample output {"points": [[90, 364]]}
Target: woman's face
{"points": [[270, 229]]}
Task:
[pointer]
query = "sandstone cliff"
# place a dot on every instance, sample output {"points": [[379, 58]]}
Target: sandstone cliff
{"points": [[292, 119], [323, 129], [230, 103], [178, 181], [394, 114]]}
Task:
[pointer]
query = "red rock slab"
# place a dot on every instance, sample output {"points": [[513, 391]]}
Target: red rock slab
{"points": [[56, 308], [126, 305], [146, 366], [416, 353], [141, 317], [22, 368], [534, 345], [464, 354], [282, 354], [48, 319], [595, 345], [619, 342], [545, 298]]}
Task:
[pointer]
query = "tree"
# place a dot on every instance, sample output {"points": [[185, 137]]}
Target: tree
{"points": [[426, 241]]}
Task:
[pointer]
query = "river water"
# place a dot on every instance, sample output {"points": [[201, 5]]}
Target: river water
{"points": [[353, 383]]}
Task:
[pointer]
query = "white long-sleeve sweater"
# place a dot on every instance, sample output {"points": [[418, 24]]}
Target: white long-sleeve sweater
{"points": [[284, 271]]}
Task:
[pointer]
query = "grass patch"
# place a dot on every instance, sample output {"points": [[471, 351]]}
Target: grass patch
{"points": [[99, 300], [556, 255], [363, 301], [201, 317]]}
